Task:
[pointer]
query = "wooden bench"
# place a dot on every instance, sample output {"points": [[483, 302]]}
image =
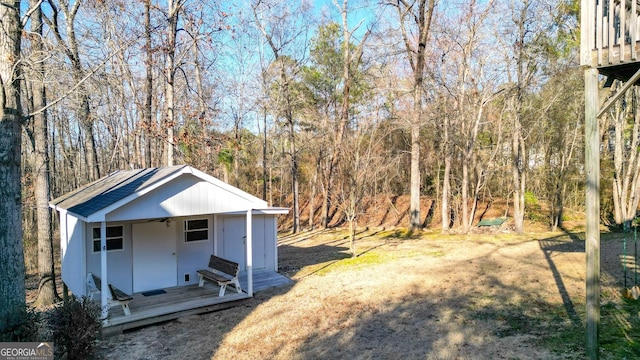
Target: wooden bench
{"points": [[118, 297], [224, 272]]}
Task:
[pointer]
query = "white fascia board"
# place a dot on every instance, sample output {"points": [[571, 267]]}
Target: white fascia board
{"points": [[272, 211], [266, 211], [100, 215]]}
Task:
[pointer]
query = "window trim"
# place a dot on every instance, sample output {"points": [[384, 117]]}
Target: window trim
{"points": [[94, 240], [186, 230]]}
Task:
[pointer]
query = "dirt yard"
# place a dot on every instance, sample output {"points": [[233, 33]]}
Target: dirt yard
{"points": [[455, 297]]}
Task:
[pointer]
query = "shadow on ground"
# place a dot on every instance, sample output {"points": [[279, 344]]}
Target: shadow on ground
{"points": [[559, 244], [470, 312], [483, 303]]}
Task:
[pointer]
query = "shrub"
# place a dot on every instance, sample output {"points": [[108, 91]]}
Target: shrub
{"points": [[533, 208], [530, 199], [74, 326], [22, 325]]}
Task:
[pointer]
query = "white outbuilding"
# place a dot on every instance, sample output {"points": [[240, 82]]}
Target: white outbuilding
{"points": [[149, 231]]}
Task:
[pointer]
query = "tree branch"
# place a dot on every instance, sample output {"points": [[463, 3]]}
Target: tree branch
{"points": [[79, 83]]}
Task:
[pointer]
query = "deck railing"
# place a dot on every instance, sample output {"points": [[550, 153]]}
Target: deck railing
{"points": [[609, 33]]}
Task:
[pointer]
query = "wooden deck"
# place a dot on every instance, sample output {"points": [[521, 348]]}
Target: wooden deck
{"points": [[263, 280], [185, 300], [610, 40]]}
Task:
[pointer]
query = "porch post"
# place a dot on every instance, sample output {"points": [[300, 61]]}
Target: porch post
{"points": [[103, 271], [249, 253], [592, 241], [275, 243]]}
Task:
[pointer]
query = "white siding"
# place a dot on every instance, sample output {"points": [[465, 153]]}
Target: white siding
{"points": [[71, 234], [271, 242], [232, 235], [119, 268], [258, 248], [231, 231], [193, 256], [266, 238], [184, 196]]}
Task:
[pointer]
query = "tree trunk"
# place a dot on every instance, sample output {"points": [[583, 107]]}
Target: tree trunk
{"points": [[170, 71], [12, 287], [476, 194], [415, 49], [294, 179], [470, 162], [47, 293], [352, 235], [70, 48], [285, 111], [518, 154], [446, 188], [202, 105], [148, 84], [327, 191], [626, 179], [265, 177], [560, 182], [84, 115], [414, 206], [288, 111], [466, 222], [91, 153], [518, 174], [350, 61], [446, 178], [312, 196]]}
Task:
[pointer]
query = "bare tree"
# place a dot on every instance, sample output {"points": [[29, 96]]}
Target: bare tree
{"points": [[278, 40], [557, 139], [364, 160], [471, 93], [12, 286], [322, 78], [525, 16], [351, 59], [415, 17], [71, 50], [625, 120], [47, 293], [519, 40], [173, 11], [148, 84]]}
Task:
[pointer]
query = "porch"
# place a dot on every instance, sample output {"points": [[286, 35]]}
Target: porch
{"points": [[187, 300]]}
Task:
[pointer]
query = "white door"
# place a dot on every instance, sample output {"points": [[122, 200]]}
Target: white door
{"points": [[154, 256], [233, 245], [258, 245]]}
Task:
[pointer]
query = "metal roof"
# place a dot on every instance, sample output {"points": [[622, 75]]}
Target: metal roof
{"points": [[114, 187]]}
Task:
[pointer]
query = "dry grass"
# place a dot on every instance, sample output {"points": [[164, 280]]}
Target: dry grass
{"points": [[430, 297]]}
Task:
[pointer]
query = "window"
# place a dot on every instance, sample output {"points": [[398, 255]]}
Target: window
{"points": [[196, 230], [115, 239]]}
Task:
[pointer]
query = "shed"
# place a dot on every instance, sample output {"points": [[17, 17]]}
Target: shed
{"points": [[149, 231]]}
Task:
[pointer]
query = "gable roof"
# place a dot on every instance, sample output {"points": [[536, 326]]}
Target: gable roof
{"points": [[121, 187]]}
